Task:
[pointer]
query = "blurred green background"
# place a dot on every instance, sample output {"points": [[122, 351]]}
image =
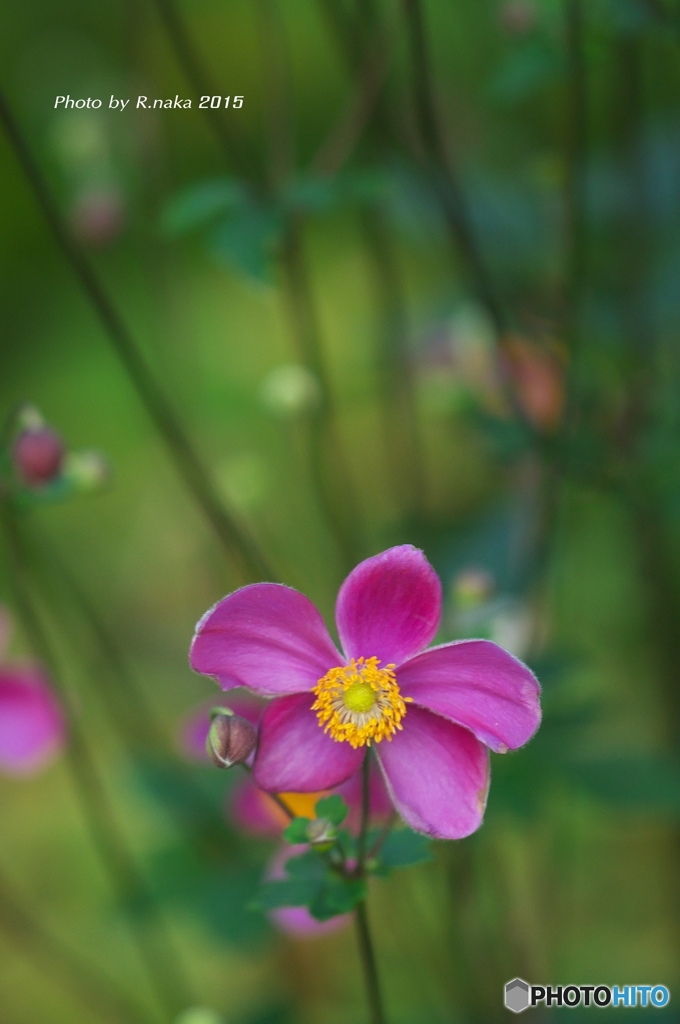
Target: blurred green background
{"points": [[403, 294]]}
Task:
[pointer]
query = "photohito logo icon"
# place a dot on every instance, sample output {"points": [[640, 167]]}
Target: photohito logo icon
{"points": [[516, 995], [519, 995]]}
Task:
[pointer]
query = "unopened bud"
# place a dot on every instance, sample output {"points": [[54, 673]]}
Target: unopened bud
{"points": [[321, 833], [231, 739], [38, 454]]}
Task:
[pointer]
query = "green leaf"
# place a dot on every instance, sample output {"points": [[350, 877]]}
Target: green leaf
{"points": [[312, 195], [308, 865], [337, 896], [332, 808], [198, 204], [287, 892], [247, 241], [296, 832], [403, 848]]}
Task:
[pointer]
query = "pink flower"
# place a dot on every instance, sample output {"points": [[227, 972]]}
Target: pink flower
{"points": [[32, 729], [430, 715], [31, 724]]}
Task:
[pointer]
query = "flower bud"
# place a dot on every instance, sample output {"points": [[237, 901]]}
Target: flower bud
{"points": [[38, 453], [321, 833], [231, 739]]}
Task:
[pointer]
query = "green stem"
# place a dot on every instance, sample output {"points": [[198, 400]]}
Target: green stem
{"points": [[365, 812], [395, 372], [576, 157], [244, 551], [154, 943], [364, 939], [443, 175], [369, 965], [101, 994]]}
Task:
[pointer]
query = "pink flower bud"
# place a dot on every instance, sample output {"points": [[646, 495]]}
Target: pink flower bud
{"points": [[231, 739], [38, 454]]}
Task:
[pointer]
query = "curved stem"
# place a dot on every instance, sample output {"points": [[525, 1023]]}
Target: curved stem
{"points": [[249, 559]]}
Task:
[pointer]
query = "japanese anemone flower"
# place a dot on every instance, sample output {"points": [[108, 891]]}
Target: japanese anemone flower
{"points": [[32, 728], [429, 715], [31, 724]]}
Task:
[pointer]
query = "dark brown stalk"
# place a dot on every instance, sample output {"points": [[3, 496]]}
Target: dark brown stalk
{"points": [[249, 561], [150, 931]]}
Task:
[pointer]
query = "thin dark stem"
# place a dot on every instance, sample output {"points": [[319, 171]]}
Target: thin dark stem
{"points": [[444, 177], [196, 75], [365, 942], [369, 965], [149, 928], [576, 166], [395, 370], [329, 470], [365, 812], [247, 556], [94, 989], [328, 466]]}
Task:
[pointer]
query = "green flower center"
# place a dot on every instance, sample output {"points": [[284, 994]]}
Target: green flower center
{"points": [[359, 697]]}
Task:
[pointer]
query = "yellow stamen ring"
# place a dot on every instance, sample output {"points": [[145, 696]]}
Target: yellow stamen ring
{"points": [[360, 702]]}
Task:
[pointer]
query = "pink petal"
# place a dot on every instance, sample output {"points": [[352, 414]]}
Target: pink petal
{"points": [[267, 637], [479, 685], [299, 923], [295, 755], [32, 729], [389, 606], [438, 775], [194, 729], [255, 812]]}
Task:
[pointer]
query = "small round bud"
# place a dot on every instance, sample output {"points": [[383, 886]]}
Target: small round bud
{"points": [[38, 454], [231, 739], [321, 833]]}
